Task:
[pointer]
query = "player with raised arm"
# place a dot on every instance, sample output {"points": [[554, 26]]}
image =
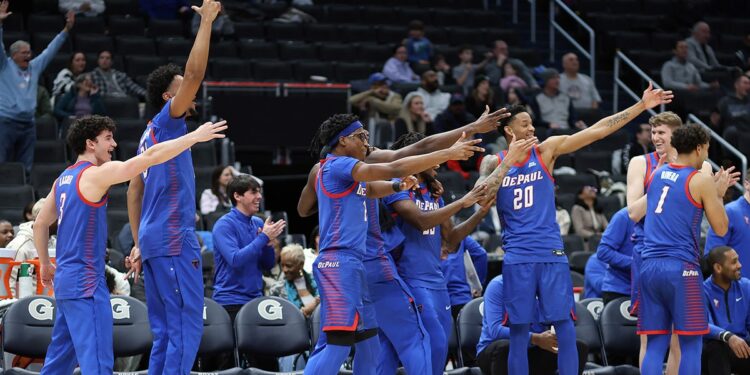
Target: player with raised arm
{"points": [[343, 184], [534, 258], [161, 209], [78, 203], [671, 296]]}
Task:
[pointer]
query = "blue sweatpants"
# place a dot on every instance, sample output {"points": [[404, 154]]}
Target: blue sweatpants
{"points": [[402, 335], [82, 335], [174, 295], [437, 319]]}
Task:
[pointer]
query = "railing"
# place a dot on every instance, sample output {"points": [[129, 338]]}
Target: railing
{"points": [[554, 26], [716, 137], [619, 84], [532, 16]]}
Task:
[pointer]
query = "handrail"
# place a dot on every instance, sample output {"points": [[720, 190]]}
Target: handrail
{"points": [[590, 53], [619, 84], [715, 136], [532, 23]]}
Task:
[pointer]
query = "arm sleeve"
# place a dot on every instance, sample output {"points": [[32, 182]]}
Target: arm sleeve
{"points": [[391, 107], [208, 202], [478, 257], [3, 56], [62, 105], [613, 240], [226, 243], [693, 57], [40, 62], [130, 86], [268, 254], [390, 71], [494, 312]]}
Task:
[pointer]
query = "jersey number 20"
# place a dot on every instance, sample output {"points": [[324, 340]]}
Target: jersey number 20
{"points": [[523, 198]]}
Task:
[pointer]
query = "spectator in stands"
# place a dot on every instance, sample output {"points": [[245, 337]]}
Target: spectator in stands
{"points": [[412, 117], [443, 69], [379, 102], [562, 217], [700, 53], [642, 144], [453, 117], [311, 252], [593, 276], [88, 8], [19, 78], [117, 282], [222, 26], [65, 79], [494, 69], [6, 233], [743, 54], [514, 96], [83, 100], [616, 251], [494, 342], [511, 79], [28, 212], [586, 215], [465, 270], [726, 350], [463, 73], [435, 101], [732, 114], [165, 9], [112, 82], [578, 86], [43, 104], [553, 108], [242, 247], [481, 96], [216, 198], [680, 73], [300, 286], [23, 243], [418, 47], [738, 234], [397, 69]]}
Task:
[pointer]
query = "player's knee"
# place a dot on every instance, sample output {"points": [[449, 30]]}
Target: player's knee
{"points": [[341, 338]]}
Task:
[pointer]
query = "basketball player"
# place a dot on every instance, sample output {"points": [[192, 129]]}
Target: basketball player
{"points": [[78, 203], [534, 258], [672, 298], [347, 317], [400, 325], [161, 209]]}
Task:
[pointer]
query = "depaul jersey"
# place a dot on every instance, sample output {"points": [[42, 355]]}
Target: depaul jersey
{"points": [[419, 264], [526, 206], [168, 213], [673, 217], [652, 161], [342, 206], [81, 237]]}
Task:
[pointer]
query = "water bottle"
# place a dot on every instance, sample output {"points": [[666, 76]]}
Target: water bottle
{"points": [[25, 288]]}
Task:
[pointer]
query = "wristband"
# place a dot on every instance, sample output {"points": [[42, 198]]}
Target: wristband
{"points": [[396, 186], [725, 336]]}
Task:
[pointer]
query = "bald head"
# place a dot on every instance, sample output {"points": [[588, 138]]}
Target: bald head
{"points": [[570, 63], [701, 32]]}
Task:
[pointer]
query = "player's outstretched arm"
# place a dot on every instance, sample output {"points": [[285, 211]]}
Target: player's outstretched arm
{"points": [[485, 124], [380, 189], [195, 68], [565, 144], [453, 235], [115, 172], [635, 196], [424, 220], [308, 201], [461, 150], [47, 216], [492, 172]]}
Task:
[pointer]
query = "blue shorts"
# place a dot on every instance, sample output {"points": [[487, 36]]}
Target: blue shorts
{"points": [[345, 303], [82, 335], [635, 275], [672, 298], [550, 283]]}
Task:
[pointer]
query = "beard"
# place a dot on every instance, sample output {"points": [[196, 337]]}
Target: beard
{"points": [[431, 86]]}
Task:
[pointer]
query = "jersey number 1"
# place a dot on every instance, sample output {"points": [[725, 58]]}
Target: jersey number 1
{"points": [[523, 198], [659, 207]]}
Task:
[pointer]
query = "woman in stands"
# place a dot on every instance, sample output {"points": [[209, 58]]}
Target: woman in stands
{"points": [[412, 117], [65, 79], [216, 198]]}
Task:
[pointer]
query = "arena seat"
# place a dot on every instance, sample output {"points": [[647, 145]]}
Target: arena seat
{"points": [[470, 327], [578, 260], [13, 174], [271, 326], [587, 330], [619, 329], [27, 329], [218, 335]]}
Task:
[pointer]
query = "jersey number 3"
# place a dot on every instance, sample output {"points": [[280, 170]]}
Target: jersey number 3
{"points": [[523, 198]]}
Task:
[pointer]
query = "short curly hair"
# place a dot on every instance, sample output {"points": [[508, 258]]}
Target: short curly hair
{"points": [[158, 82], [687, 138], [88, 127]]}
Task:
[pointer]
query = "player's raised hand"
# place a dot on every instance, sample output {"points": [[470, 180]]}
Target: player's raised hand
{"points": [[273, 230], [70, 20], [4, 10], [208, 10], [651, 98], [519, 148], [134, 265], [437, 189], [48, 274], [478, 193], [408, 183], [488, 122], [724, 179], [210, 130], [464, 149]]}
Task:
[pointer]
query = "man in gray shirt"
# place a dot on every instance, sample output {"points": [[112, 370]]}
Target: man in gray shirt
{"points": [[732, 115], [679, 73], [552, 108], [700, 53], [112, 82], [578, 86]]}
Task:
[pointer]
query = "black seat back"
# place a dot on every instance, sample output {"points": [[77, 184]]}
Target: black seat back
{"points": [[271, 326], [218, 336], [27, 326], [131, 334], [470, 326], [619, 328]]}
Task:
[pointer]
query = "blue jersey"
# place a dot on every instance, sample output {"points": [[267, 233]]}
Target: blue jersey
{"points": [[738, 234], [652, 161], [593, 277], [81, 237], [419, 265], [342, 206], [168, 213], [616, 250], [526, 206], [375, 244], [673, 217]]}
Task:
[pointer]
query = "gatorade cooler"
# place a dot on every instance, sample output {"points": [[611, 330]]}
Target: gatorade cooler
{"points": [[7, 257]]}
